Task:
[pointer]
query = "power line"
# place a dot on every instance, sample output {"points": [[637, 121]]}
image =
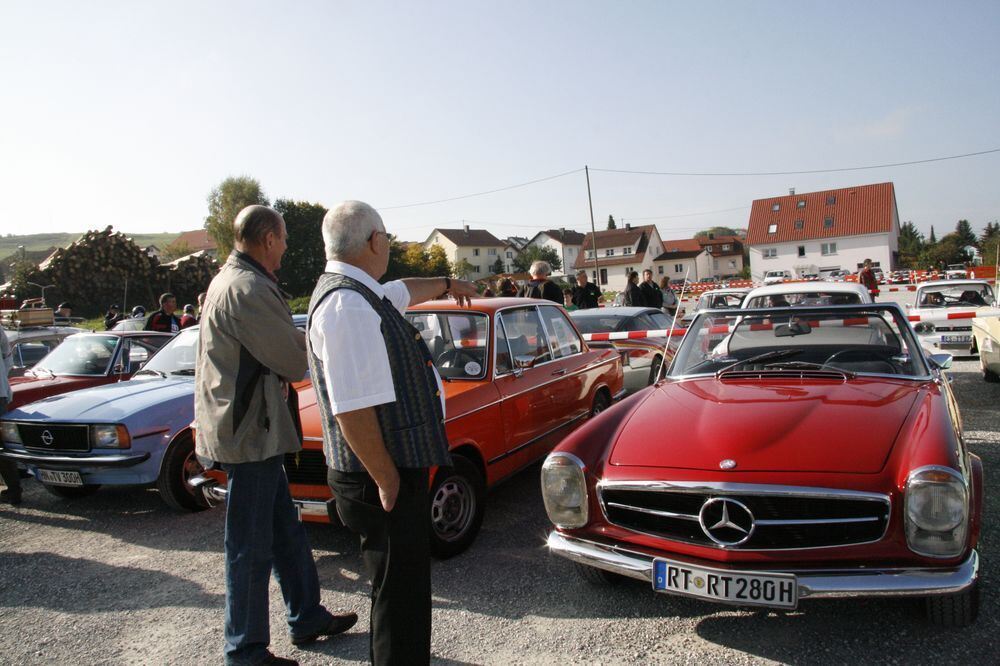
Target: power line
{"points": [[670, 217], [479, 194], [794, 173]]}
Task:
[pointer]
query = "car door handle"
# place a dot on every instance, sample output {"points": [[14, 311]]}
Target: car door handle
{"points": [[559, 372]]}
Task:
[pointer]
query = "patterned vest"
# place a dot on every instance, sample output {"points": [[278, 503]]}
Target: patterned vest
{"points": [[413, 426]]}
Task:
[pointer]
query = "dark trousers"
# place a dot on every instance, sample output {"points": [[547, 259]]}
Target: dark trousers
{"points": [[8, 468], [263, 533], [395, 548]]}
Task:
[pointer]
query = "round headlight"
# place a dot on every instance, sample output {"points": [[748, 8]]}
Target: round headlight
{"points": [[564, 490], [937, 510]]}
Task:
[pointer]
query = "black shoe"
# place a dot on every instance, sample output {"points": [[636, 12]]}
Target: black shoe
{"points": [[10, 498], [279, 661], [338, 625]]}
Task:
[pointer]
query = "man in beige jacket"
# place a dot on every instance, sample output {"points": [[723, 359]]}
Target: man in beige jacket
{"points": [[249, 351]]}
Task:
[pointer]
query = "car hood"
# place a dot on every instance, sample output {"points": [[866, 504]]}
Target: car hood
{"points": [[114, 402], [768, 425]]}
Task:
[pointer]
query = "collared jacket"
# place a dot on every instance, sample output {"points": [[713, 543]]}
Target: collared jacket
{"points": [[248, 352]]}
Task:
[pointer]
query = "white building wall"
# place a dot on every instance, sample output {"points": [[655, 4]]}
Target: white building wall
{"points": [[567, 253], [851, 251]]}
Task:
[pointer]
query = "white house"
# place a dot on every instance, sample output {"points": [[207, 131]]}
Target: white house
{"points": [[477, 246], [566, 244], [619, 252], [819, 232], [684, 258]]}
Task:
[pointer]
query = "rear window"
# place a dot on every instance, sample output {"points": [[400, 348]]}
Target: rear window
{"points": [[804, 299]]}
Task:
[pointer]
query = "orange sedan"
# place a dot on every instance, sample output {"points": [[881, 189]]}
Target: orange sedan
{"points": [[517, 376]]}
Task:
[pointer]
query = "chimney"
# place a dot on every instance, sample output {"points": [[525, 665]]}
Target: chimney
{"points": [[711, 236], [562, 232], [791, 191], [466, 227], [628, 226]]}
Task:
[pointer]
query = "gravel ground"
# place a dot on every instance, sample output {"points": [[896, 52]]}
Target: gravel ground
{"points": [[119, 578]]}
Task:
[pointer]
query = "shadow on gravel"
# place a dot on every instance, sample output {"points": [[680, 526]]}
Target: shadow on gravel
{"points": [[76, 585]]}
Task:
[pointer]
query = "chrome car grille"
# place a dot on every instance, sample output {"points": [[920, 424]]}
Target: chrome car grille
{"points": [[761, 517], [306, 466], [47, 437]]}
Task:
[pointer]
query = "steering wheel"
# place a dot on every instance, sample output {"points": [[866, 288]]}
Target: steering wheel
{"points": [[866, 355], [455, 358]]}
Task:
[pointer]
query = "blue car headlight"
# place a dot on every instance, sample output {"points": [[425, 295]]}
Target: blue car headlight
{"points": [[110, 437], [9, 432]]}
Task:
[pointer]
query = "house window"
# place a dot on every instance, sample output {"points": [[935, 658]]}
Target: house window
{"points": [[799, 224], [604, 276], [801, 203], [475, 269], [772, 228], [715, 264], [610, 252], [492, 252], [830, 200], [828, 248], [776, 207], [678, 268], [590, 254], [475, 252], [727, 248], [510, 255], [732, 263], [802, 250], [770, 252], [828, 223], [659, 269], [626, 250]]}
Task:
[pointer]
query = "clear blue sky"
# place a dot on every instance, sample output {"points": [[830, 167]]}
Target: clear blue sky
{"points": [[128, 113]]}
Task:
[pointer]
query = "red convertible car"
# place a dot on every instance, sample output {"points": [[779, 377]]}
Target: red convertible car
{"points": [[789, 454], [517, 376], [84, 360]]}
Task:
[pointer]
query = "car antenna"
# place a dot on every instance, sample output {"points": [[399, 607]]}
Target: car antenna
{"points": [[670, 333]]}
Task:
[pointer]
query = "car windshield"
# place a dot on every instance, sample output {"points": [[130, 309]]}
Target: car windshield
{"points": [[955, 296], [177, 357], [843, 341], [719, 301], [457, 341], [803, 299], [80, 355]]}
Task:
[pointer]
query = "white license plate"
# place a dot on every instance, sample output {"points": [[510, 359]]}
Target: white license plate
{"points": [[956, 338], [734, 587], [60, 478]]}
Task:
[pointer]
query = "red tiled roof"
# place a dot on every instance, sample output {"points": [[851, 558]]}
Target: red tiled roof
{"points": [[864, 209], [678, 254], [682, 245], [472, 237], [196, 240], [566, 237], [617, 237]]}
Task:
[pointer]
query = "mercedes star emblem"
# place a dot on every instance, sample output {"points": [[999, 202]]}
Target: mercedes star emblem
{"points": [[46, 438], [727, 522], [728, 463]]}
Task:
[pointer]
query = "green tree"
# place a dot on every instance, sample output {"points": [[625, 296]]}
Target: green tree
{"points": [[715, 232], [462, 268], [965, 234], [437, 262], [533, 253], [497, 267], [949, 250], [412, 260], [932, 239], [611, 222], [224, 202], [175, 250], [911, 244], [992, 229], [305, 257]]}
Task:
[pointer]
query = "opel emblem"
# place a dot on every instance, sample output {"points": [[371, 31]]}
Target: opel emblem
{"points": [[46, 438], [727, 522], [728, 463]]}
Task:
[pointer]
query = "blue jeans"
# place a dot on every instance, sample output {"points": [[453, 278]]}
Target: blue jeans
{"points": [[263, 533]]}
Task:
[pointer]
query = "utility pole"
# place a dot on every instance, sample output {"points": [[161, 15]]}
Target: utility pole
{"points": [[593, 230]]}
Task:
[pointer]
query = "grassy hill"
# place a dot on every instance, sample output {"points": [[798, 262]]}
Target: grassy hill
{"points": [[34, 242]]}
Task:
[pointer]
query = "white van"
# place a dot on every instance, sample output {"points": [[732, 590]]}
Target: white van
{"points": [[774, 277]]}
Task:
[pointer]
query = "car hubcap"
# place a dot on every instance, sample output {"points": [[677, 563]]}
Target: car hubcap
{"points": [[190, 469], [452, 508]]}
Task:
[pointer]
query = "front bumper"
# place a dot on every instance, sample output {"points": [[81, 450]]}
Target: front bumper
{"points": [[215, 493], [55, 462], [813, 583]]}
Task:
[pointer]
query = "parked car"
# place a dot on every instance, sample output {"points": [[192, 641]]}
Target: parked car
{"points": [[641, 357], [84, 360], [950, 296], [838, 275], [956, 272], [986, 334], [126, 433], [775, 277], [715, 299], [517, 378], [32, 343], [849, 476], [806, 294]]}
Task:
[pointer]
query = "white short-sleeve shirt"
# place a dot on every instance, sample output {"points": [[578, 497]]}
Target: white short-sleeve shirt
{"points": [[345, 334]]}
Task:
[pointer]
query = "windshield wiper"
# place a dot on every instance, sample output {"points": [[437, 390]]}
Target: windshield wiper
{"points": [[150, 371], [184, 371], [798, 365], [777, 353]]}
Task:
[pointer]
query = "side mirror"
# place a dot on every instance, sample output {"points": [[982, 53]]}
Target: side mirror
{"points": [[523, 361], [941, 361]]}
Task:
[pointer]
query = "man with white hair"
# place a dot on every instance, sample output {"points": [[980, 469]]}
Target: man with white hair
{"points": [[540, 286], [382, 409]]}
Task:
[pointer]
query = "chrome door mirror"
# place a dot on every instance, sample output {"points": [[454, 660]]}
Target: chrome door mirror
{"points": [[940, 361], [523, 361]]}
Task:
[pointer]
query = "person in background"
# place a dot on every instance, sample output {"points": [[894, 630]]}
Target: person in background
{"points": [[249, 353], [112, 317], [382, 411], [188, 319], [651, 295], [201, 303], [8, 468], [669, 296], [165, 319], [487, 293], [508, 288], [540, 286], [633, 294], [138, 312], [866, 276], [568, 300], [586, 295], [63, 314]]}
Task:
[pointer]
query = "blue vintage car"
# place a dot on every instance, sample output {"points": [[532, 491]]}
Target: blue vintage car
{"points": [[133, 432]]}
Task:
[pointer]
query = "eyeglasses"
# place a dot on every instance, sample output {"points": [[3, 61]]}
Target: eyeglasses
{"points": [[376, 232]]}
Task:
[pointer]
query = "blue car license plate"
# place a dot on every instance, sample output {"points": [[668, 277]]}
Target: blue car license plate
{"points": [[955, 339], [734, 587]]}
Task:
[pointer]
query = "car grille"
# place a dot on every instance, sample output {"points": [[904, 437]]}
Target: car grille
{"points": [[306, 466], [781, 520], [55, 437]]}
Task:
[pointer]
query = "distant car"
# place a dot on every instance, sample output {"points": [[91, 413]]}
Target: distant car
{"points": [[641, 358], [838, 275], [31, 344], [130, 324], [775, 277], [951, 296], [715, 299], [810, 277], [879, 275], [956, 272], [806, 294], [84, 360], [986, 333]]}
